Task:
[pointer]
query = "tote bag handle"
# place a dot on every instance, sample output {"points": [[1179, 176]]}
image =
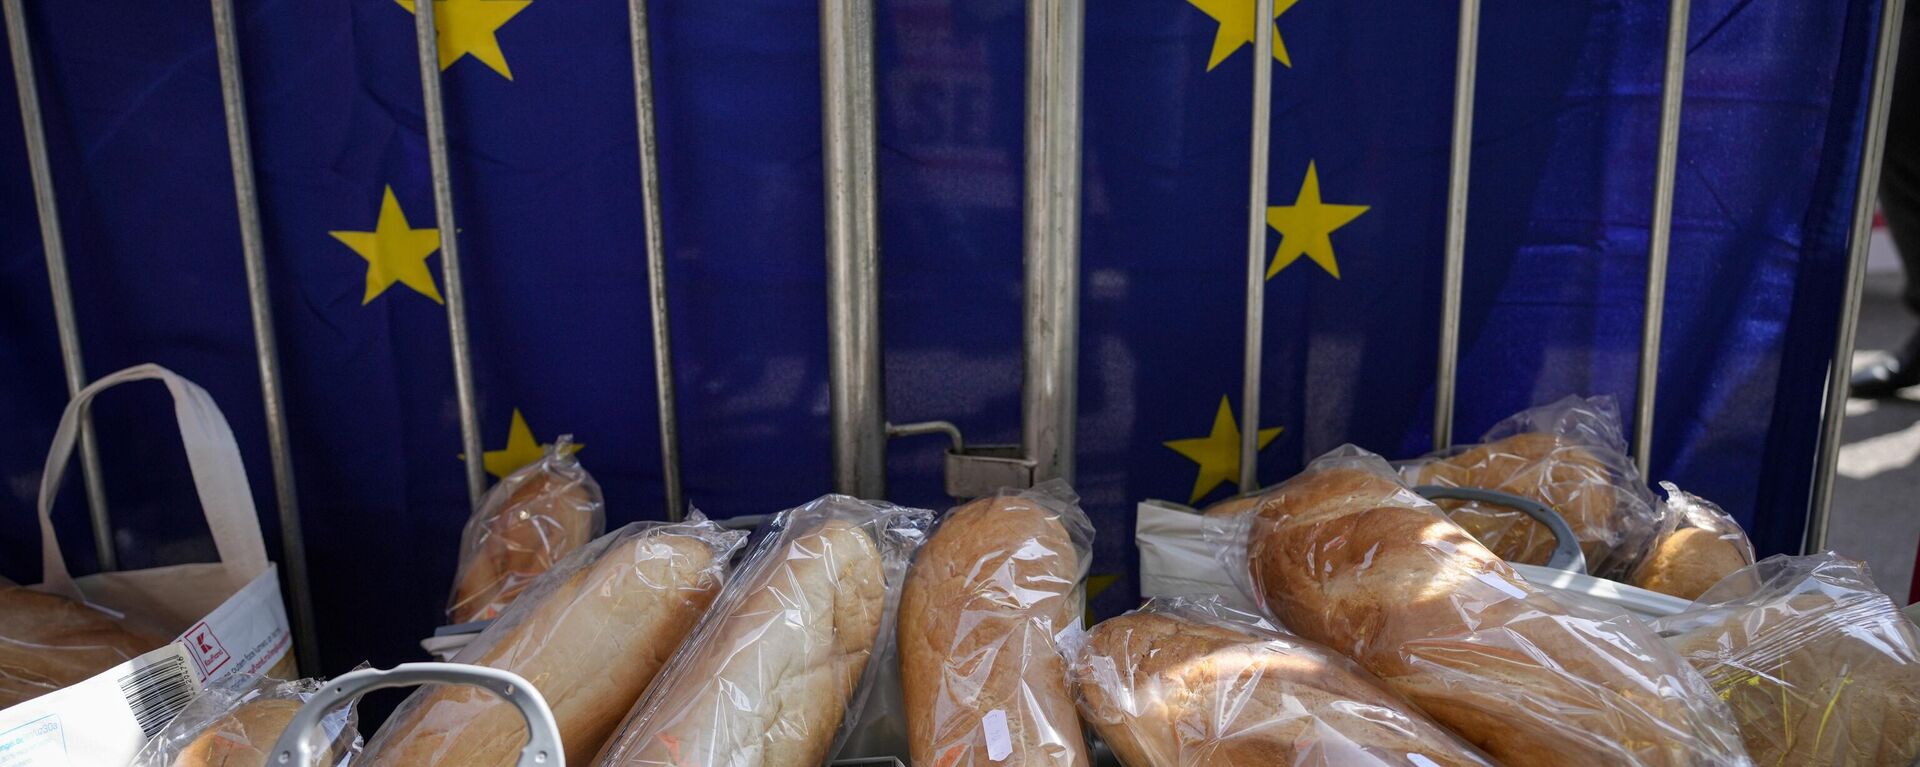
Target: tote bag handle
{"points": [[219, 476]]}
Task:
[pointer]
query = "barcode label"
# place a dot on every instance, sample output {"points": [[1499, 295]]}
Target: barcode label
{"points": [[156, 693]]}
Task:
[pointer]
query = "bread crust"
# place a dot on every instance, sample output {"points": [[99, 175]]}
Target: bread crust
{"points": [[1550, 469], [1168, 692], [1689, 561], [243, 737], [591, 647], [1346, 557], [1816, 680], [978, 615], [769, 685], [48, 642], [543, 518]]}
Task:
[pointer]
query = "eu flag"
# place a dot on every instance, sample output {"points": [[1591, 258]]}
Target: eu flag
{"points": [[548, 214]]}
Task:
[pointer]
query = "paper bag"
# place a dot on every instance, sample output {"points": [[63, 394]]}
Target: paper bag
{"points": [[227, 616]]}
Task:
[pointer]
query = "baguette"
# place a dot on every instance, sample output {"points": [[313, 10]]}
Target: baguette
{"points": [[590, 645], [767, 680], [1346, 556], [48, 642], [525, 524], [1166, 691], [983, 680]]}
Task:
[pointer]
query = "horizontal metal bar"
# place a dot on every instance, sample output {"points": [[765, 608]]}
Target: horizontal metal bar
{"points": [[929, 427]]}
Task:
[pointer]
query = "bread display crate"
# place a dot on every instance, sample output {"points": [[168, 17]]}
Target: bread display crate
{"points": [[297, 745], [1638, 601]]}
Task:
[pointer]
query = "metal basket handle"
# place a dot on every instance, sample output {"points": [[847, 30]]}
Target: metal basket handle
{"points": [[1566, 549], [298, 748]]}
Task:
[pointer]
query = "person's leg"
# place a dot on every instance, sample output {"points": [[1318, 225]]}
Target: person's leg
{"points": [[1900, 203]]}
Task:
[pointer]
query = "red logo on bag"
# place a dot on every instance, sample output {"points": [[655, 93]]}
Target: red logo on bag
{"points": [[205, 648]]}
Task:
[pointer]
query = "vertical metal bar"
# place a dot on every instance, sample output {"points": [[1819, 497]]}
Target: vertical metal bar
{"points": [[429, 54], [1872, 149], [293, 550], [1256, 246], [1049, 391], [1660, 238], [656, 259], [853, 249], [67, 329], [1453, 274]]}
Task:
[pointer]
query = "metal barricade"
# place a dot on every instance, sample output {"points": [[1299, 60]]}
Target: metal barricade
{"points": [[1055, 53]]}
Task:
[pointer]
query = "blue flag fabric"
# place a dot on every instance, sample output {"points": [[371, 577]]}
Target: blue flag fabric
{"points": [[548, 214]]}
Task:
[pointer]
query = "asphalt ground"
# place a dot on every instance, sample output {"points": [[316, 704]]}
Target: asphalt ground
{"points": [[1876, 503]]}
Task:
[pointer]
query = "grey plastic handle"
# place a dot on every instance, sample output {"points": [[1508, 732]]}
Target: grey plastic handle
{"points": [[1566, 548], [297, 747]]}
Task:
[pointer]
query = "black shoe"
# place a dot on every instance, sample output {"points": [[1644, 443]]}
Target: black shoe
{"points": [[1887, 377]]}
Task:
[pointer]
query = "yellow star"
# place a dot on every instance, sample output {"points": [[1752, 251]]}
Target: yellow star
{"points": [[1236, 28], [1218, 453], [1305, 227], [394, 252], [468, 27], [520, 450]]}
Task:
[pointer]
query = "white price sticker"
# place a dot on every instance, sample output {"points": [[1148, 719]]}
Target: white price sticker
{"points": [[999, 741], [1501, 583]]}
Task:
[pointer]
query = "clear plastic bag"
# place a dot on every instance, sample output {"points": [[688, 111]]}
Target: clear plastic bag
{"points": [[1699, 544], [777, 671], [591, 635], [1819, 667], [1347, 556], [524, 525], [1190, 682], [1569, 455], [984, 677], [48, 642], [235, 724]]}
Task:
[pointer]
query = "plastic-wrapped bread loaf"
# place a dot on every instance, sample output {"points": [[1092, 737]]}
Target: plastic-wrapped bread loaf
{"points": [[1232, 507], [1569, 455], [1821, 669], [48, 642], [236, 723], [525, 524], [771, 674], [1191, 683], [243, 738], [1343, 554], [590, 635], [984, 681], [1552, 470], [1702, 545]]}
